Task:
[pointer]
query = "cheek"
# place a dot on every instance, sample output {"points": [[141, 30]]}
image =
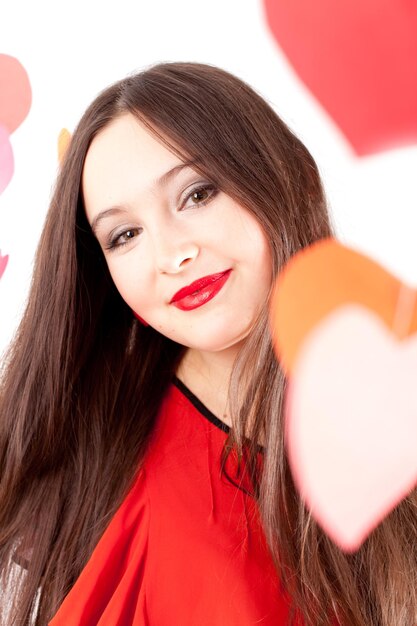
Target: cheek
{"points": [[266, 262], [129, 283], [248, 235], [261, 266], [255, 250], [262, 251]]}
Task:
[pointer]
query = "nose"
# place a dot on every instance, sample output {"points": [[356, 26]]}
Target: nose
{"points": [[174, 251]]}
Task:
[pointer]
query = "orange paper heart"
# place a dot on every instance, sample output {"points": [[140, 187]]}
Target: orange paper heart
{"points": [[325, 276], [64, 138]]}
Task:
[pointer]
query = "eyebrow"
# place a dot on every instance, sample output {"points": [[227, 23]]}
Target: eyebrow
{"points": [[162, 181]]}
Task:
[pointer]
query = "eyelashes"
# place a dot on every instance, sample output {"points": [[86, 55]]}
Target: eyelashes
{"points": [[199, 196], [123, 238], [209, 189]]}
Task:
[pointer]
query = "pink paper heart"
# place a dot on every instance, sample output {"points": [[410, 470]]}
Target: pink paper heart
{"points": [[16, 92], [6, 159], [358, 58], [351, 427], [3, 264]]}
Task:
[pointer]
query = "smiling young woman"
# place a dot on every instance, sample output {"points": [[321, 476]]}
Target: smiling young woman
{"points": [[143, 473], [167, 242]]}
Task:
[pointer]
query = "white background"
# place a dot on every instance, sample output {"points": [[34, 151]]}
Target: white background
{"points": [[72, 50]]}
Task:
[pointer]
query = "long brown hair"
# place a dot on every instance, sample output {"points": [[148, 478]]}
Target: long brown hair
{"points": [[83, 379]]}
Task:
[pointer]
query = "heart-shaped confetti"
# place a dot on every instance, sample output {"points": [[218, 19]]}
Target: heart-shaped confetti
{"points": [[3, 264], [6, 159], [351, 423], [358, 58], [345, 331], [322, 277], [64, 138], [16, 93]]}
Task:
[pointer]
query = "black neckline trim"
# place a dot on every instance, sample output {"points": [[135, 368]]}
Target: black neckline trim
{"points": [[200, 406]]}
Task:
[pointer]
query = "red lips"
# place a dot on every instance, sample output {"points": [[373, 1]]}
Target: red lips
{"points": [[196, 286], [200, 291]]}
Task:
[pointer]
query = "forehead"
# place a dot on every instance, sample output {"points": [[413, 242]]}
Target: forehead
{"points": [[122, 161]]}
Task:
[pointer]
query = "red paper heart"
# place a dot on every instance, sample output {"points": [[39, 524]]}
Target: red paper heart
{"points": [[359, 58]]}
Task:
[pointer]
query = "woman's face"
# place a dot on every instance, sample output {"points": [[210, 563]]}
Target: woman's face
{"points": [[163, 226]]}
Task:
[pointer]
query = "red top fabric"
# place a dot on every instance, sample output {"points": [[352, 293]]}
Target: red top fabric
{"points": [[186, 547]]}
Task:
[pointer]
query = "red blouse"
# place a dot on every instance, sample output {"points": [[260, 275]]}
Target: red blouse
{"points": [[186, 547]]}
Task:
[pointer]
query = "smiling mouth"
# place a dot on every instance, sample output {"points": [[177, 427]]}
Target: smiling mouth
{"points": [[197, 285], [194, 296]]}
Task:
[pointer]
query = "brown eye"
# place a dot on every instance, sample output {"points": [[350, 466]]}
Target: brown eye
{"points": [[199, 195], [123, 238], [127, 235]]}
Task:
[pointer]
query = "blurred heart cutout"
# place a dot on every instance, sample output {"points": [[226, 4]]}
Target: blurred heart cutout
{"points": [[351, 423], [323, 277], [3, 264], [345, 331], [6, 159], [359, 59], [64, 138], [16, 93]]}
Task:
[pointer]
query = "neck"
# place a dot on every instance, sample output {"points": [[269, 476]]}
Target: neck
{"points": [[207, 375]]}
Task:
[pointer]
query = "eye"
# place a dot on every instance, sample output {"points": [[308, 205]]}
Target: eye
{"points": [[120, 239], [200, 195]]}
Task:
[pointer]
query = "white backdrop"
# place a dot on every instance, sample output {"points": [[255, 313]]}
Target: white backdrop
{"points": [[71, 50]]}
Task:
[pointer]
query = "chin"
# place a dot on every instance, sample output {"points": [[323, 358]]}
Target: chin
{"points": [[216, 343], [210, 337]]}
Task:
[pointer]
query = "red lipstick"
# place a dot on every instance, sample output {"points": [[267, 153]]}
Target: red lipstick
{"points": [[200, 291]]}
